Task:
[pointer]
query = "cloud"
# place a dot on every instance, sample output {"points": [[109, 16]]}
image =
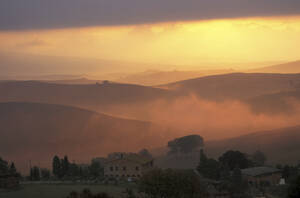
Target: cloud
{"points": [[49, 14], [32, 43]]}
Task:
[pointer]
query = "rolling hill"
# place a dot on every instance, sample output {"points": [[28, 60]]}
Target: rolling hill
{"points": [[280, 145], [35, 131], [264, 93], [291, 67], [76, 81], [236, 85], [156, 77], [282, 102], [82, 95]]}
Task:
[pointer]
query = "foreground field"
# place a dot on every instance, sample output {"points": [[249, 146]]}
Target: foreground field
{"points": [[59, 191]]}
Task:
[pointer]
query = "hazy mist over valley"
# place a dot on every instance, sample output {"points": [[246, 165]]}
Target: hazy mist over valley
{"points": [[149, 99], [216, 107]]}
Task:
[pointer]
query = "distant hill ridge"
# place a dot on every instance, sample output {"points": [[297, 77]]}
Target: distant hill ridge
{"points": [[251, 88], [280, 145], [237, 85], [291, 67], [77, 94]]}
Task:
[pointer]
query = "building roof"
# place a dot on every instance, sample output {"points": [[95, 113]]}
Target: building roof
{"points": [[132, 157], [101, 160], [258, 171]]}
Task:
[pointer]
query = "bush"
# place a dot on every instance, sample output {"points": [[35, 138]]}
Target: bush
{"points": [[294, 189], [172, 184]]}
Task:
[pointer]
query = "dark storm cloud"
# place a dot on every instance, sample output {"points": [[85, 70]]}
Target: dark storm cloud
{"points": [[47, 14]]}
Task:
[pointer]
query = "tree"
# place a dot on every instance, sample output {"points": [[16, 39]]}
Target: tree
{"points": [[237, 176], [289, 173], [65, 165], [45, 173], [208, 168], [96, 169], [172, 183], [6, 168], [84, 171], [56, 167], [12, 169], [186, 144], [3, 166], [203, 157], [74, 170], [238, 185], [233, 159], [294, 189], [259, 158], [225, 172], [145, 153], [35, 174]]}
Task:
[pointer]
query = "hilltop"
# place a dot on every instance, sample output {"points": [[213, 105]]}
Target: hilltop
{"points": [[290, 67], [236, 85]]}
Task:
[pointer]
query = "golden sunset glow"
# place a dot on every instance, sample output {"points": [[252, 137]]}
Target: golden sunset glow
{"points": [[149, 98], [180, 43]]}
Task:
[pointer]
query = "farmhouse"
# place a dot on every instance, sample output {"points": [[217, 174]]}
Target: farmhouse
{"points": [[262, 176], [127, 165]]}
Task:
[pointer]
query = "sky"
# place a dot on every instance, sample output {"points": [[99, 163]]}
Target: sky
{"points": [[167, 32]]}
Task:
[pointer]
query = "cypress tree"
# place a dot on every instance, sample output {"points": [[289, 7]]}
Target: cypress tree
{"points": [[12, 169], [56, 166], [65, 166]]}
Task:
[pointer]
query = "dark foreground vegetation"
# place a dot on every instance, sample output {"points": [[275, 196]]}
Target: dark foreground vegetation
{"points": [[223, 175], [233, 175], [86, 193]]}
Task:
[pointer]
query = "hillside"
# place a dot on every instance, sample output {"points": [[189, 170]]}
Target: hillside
{"points": [[237, 85], [83, 95], [154, 78], [76, 81], [174, 107], [280, 146], [107, 97], [32, 131], [291, 67], [281, 102]]}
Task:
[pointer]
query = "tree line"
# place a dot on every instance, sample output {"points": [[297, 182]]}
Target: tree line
{"points": [[230, 160], [63, 169], [8, 168]]}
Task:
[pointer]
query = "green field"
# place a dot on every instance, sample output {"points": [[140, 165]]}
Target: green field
{"points": [[59, 191]]}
